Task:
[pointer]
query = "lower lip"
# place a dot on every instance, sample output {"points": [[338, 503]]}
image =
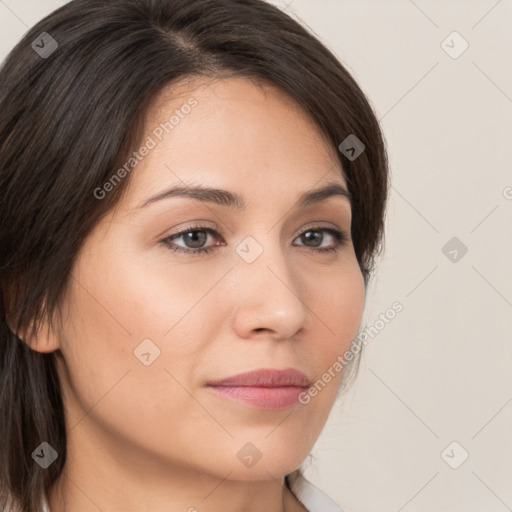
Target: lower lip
{"points": [[264, 398]]}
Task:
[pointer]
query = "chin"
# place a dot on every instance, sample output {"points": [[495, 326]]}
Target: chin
{"points": [[263, 460]]}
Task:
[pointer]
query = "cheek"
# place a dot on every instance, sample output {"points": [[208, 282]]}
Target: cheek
{"points": [[129, 293], [108, 383], [337, 305], [337, 311], [347, 305], [117, 303]]}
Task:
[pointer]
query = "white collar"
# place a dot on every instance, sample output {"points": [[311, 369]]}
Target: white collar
{"points": [[45, 506], [314, 499], [308, 494]]}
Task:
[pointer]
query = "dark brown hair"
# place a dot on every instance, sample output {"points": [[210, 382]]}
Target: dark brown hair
{"points": [[71, 116]]}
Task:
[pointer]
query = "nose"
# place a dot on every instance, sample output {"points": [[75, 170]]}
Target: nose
{"points": [[269, 298]]}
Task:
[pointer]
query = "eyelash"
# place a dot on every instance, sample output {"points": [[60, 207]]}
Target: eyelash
{"points": [[340, 237]]}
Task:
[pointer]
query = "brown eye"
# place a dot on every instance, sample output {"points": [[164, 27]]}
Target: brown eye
{"points": [[314, 236], [194, 237]]}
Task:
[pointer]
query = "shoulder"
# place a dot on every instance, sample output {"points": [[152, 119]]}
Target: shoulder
{"points": [[314, 499]]}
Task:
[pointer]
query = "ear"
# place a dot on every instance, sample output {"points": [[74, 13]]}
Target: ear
{"points": [[44, 340]]}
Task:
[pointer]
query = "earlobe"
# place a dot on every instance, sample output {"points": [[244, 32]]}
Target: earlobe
{"points": [[40, 336], [44, 340]]}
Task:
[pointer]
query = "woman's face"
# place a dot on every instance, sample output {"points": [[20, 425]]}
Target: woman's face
{"points": [[146, 327]]}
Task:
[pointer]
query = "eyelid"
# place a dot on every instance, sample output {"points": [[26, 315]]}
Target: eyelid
{"points": [[317, 225]]}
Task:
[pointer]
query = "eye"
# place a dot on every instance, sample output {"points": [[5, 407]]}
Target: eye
{"points": [[195, 238], [195, 235], [315, 236]]}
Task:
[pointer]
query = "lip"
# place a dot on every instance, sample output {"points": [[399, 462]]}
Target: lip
{"points": [[266, 388]]}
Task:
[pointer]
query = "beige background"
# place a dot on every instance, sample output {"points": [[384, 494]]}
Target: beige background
{"points": [[441, 370]]}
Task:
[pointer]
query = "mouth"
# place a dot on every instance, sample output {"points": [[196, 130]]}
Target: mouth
{"points": [[267, 388]]}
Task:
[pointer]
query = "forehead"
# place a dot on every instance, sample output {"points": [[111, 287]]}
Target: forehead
{"points": [[232, 133]]}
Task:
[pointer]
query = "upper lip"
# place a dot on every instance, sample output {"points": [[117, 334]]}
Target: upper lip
{"points": [[265, 377]]}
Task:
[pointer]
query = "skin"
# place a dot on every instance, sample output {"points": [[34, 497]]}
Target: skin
{"points": [[153, 438]]}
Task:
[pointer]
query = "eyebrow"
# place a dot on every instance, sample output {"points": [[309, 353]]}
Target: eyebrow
{"points": [[236, 201]]}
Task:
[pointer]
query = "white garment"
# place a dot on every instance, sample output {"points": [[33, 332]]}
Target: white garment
{"points": [[46, 508], [308, 494]]}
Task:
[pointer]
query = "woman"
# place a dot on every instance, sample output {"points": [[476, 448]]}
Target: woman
{"points": [[192, 200]]}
